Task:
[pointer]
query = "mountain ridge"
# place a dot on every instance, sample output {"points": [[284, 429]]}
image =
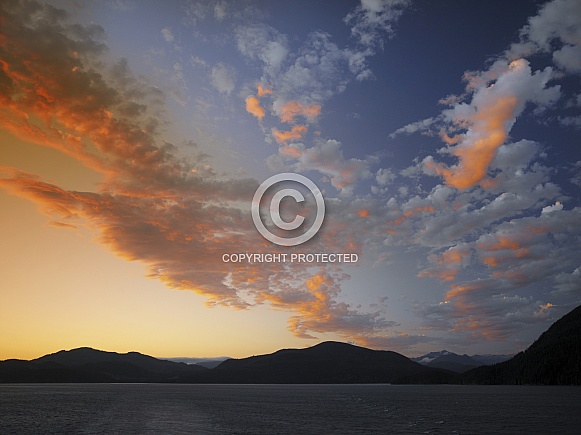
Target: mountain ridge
{"points": [[553, 359], [445, 359], [327, 362]]}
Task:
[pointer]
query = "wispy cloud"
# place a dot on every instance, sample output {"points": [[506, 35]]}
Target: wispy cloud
{"points": [[223, 78], [373, 20], [496, 230], [167, 34], [301, 82]]}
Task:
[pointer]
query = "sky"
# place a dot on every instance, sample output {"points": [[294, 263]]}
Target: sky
{"points": [[444, 137]]}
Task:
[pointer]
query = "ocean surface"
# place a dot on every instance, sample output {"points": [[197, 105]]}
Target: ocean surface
{"points": [[287, 409]]}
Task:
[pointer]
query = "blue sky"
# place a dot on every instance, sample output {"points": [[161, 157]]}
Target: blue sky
{"points": [[444, 136]]}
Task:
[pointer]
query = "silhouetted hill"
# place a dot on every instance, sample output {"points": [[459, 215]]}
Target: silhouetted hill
{"points": [[328, 362], [554, 359], [18, 371], [145, 363], [90, 365], [210, 364], [489, 359]]}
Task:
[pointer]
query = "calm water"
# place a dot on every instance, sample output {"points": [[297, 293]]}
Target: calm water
{"points": [[287, 409]]}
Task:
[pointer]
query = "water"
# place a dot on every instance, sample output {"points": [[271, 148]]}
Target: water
{"points": [[287, 409]]}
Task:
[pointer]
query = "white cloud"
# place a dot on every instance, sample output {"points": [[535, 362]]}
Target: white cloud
{"points": [[276, 164], [220, 10], [264, 43], [568, 283], [320, 68], [327, 158], [384, 176], [569, 58], [374, 19], [198, 61], [576, 171], [552, 208], [317, 73], [196, 11], [222, 78], [570, 121], [167, 35], [414, 127], [558, 21], [122, 5]]}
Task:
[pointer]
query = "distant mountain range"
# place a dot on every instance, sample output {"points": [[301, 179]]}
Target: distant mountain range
{"points": [[209, 363], [555, 358], [458, 363]]}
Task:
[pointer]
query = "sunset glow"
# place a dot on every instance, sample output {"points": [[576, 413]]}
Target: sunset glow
{"points": [[134, 136]]}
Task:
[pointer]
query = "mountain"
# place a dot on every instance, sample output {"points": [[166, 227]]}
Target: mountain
{"points": [[328, 362], [429, 357], [489, 359], [554, 359], [448, 361], [458, 363], [90, 365], [210, 364], [204, 362]]}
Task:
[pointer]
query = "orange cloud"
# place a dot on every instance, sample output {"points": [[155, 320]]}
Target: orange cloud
{"points": [[263, 91], [152, 207], [253, 103], [253, 107], [446, 265], [490, 132], [291, 109], [469, 315], [460, 290], [504, 244], [408, 213], [318, 311], [290, 151], [479, 328], [363, 213], [297, 132], [450, 140]]}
